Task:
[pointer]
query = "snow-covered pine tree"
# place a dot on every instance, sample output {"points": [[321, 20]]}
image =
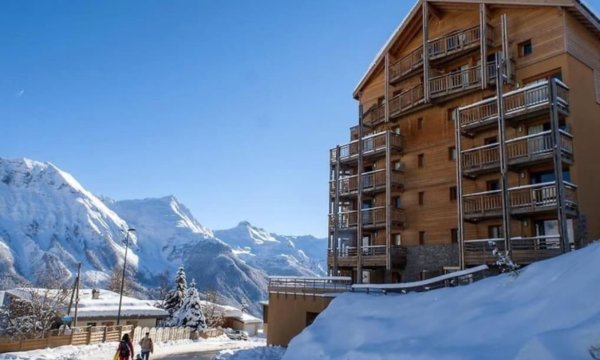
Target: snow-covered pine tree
{"points": [[175, 298], [190, 314]]}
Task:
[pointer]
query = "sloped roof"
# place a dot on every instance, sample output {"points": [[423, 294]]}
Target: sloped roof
{"points": [[578, 8]]}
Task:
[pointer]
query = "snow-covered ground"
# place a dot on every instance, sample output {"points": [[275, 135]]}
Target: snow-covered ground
{"points": [[257, 353], [107, 350], [550, 311]]}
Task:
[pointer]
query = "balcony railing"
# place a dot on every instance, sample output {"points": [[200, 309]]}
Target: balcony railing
{"points": [[540, 197], [521, 150], [375, 217], [524, 250], [372, 255], [522, 199], [407, 64], [371, 181], [308, 285], [375, 115], [455, 81], [372, 144], [518, 102], [456, 42], [406, 100]]}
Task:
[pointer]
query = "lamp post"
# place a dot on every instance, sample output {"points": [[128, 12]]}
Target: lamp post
{"points": [[130, 230]]}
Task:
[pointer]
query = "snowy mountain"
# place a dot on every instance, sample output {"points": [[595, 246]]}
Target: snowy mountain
{"points": [[277, 254], [49, 223], [169, 235]]}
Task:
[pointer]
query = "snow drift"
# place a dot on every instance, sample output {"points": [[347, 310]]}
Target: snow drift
{"points": [[550, 311]]}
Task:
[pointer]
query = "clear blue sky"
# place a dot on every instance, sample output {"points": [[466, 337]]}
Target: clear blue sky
{"points": [[229, 105]]}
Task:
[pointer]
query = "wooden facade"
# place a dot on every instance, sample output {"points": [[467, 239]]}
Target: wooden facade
{"points": [[477, 129]]}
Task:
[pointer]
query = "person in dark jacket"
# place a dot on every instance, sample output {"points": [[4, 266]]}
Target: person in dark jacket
{"points": [[125, 348]]}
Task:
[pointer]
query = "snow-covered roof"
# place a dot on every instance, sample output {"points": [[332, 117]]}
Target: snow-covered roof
{"points": [[106, 306], [232, 312]]}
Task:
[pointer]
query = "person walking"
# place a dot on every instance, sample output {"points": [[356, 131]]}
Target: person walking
{"points": [[125, 349], [147, 346]]}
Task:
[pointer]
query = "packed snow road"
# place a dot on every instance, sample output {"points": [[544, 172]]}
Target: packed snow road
{"points": [[203, 355]]}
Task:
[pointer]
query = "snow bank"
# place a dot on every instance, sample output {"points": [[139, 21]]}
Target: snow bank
{"points": [[258, 353], [550, 311]]}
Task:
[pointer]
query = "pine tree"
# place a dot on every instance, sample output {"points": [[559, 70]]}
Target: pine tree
{"points": [[175, 298], [190, 314]]}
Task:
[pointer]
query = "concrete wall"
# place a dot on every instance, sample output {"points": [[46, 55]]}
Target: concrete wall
{"points": [[431, 258]]}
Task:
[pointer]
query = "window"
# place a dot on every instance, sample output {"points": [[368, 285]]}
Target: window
{"points": [[453, 193], [396, 202], [492, 185], [495, 231], [421, 237], [525, 48], [420, 123], [421, 197], [397, 239], [421, 160], [451, 116], [454, 235], [452, 153], [490, 140]]}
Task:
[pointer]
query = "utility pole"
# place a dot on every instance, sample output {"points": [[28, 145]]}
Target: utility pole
{"points": [[130, 230]]}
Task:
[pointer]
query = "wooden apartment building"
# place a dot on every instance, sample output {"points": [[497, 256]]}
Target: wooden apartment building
{"points": [[479, 127]]}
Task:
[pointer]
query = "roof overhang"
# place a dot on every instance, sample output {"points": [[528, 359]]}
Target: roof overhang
{"points": [[578, 8]]}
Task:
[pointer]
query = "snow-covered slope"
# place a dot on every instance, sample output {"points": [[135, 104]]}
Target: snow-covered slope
{"points": [[49, 223], [550, 311], [276, 254]]}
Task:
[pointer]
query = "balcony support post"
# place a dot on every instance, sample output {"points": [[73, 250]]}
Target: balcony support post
{"points": [[506, 49], [388, 207], [483, 44], [386, 90], [336, 208], [558, 171], [459, 194], [501, 61], [359, 197], [426, 89]]}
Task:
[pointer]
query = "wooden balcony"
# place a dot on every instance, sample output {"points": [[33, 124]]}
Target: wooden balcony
{"points": [[521, 152], [457, 43], [374, 116], [523, 250], [539, 198], [407, 65], [372, 182], [524, 201], [373, 145], [372, 219], [528, 101], [372, 256], [406, 100], [459, 81]]}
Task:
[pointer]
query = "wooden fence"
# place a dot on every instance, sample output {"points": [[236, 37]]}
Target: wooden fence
{"points": [[95, 335]]}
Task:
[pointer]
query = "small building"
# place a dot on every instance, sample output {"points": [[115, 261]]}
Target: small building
{"points": [[237, 319], [98, 307]]}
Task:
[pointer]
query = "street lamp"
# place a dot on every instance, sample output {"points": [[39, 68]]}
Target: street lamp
{"points": [[130, 230]]}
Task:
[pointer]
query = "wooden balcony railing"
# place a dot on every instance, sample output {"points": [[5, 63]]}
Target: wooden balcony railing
{"points": [[456, 81], [521, 101], [480, 158], [407, 64], [524, 250], [375, 115], [371, 145], [523, 200], [406, 100], [373, 255], [456, 42], [374, 217], [483, 204], [521, 150], [371, 181], [540, 197]]}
